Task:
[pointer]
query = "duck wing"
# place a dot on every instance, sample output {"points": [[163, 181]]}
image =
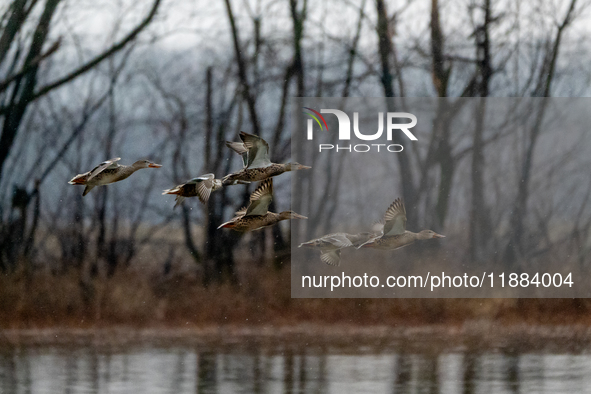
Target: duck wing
{"points": [[241, 212], [395, 218], [361, 238], [258, 150], [378, 226], [239, 148], [332, 257], [204, 185], [112, 163], [261, 198], [339, 240]]}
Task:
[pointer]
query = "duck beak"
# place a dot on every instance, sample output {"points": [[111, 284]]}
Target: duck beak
{"points": [[303, 167], [438, 236], [298, 216], [154, 165], [309, 243]]}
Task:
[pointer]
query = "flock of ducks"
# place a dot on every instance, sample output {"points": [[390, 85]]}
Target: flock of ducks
{"points": [[258, 167], [393, 235]]}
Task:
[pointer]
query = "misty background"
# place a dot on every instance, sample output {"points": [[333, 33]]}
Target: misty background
{"points": [[117, 290], [170, 81]]}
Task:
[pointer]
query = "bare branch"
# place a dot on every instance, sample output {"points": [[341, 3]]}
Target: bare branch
{"points": [[105, 55]]}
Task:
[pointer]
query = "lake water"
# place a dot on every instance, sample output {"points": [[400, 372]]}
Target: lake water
{"points": [[400, 366]]}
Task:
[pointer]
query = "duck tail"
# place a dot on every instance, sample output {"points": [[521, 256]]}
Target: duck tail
{"points": [[367, 244], [79, 179], [179, 200], [229, 224], [174, 190]]}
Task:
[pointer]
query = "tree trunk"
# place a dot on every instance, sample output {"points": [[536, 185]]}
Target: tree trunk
{"points": [[480, 227], [301, 180], [24, 87], [514, 249], [386, 52]]}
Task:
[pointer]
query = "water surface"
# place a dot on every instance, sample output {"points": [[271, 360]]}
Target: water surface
{"points": [[403, 366]]}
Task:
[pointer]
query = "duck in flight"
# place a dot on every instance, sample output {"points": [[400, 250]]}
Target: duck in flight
{"points": [[256, 215], [201, 187], [109, 171], [394, 234], [255, 158]]}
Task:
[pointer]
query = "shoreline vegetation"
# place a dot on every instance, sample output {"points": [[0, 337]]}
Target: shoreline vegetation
{"points": [[261, 298]]}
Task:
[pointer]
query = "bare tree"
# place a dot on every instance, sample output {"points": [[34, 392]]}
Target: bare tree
{"points": [[242, 72], [22, 86], [480, 227], [514, 249], [219, 245], [22, 55], [298, 18], [387, 53], [324, 211]]}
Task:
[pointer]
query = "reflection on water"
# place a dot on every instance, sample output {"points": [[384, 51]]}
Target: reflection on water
{"points": [[325, 369]]}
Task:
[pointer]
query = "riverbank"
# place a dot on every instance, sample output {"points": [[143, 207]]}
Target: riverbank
{"points": [[371, 339]]}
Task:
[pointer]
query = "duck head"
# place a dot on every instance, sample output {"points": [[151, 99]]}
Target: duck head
{"points": [[428, 234], [145, 164], [311, 244], [295, 166], [290, 215]]}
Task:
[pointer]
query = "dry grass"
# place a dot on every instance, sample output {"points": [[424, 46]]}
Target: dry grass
{"points": [[261, 298]]}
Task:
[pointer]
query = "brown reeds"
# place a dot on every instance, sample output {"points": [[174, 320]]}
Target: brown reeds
{"points": [[262, 297]]}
